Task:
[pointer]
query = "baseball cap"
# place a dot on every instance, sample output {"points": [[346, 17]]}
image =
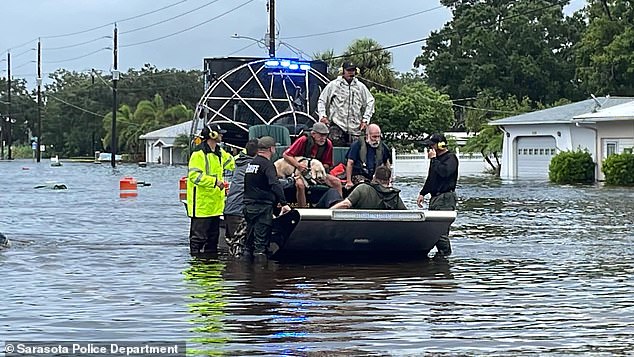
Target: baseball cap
{"points": [[266, 142], [434, 139], [209, 128], [320, 128], [349, 65]]}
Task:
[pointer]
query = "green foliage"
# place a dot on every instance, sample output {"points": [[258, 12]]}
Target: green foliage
{"points": [[184, 141], [374, 63], [619, 169], [519, 48], [605, 53], [490, 107], [415, 110], [488, 142], [571, 167], [22, 152]]}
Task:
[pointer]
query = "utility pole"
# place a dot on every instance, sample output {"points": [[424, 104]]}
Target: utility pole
{"points": [[9, 105], [271, 28], [115, 78], [38, 154]]}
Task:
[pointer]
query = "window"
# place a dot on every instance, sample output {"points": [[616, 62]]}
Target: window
{"points": [[541, 151], [530, 151], [611, 148], [552, 152]]}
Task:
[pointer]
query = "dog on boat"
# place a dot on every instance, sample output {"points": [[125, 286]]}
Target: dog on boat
{"points": [[316, 170]]}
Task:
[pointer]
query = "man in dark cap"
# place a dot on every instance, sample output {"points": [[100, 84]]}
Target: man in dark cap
{"points": [[206, 190], [262, 192], [346, 105], [440, 183]]}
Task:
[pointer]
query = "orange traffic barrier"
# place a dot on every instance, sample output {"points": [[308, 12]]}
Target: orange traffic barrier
{"points": [[128, 187], [182, 188]]}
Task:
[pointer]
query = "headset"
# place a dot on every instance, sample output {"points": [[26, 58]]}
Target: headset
{"points": [[442, 145], [212, 133], [356, 72]]}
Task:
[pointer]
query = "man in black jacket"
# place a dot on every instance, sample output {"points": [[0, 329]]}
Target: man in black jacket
{"points": [[440, 183], [262, 192]]}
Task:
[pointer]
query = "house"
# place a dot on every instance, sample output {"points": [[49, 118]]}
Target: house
{"points": [[159, 144], [532, 139]]}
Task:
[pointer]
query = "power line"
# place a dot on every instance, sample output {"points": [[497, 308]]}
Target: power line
{"points": [[559, 3], [189, 28], [362, 26], [76, 44], [102, 26], [75, 106], [78, 57], [171, 18]]}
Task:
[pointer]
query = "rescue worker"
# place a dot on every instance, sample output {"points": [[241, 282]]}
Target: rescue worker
{"points": [[440, 183], [377, 194], [346, 105], [206, 190], [235, 226], [315, 145], [262, 192], [365, 155]]}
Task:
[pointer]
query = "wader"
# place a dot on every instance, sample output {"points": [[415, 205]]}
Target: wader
{"points": [[259, 218], [444, 202]]}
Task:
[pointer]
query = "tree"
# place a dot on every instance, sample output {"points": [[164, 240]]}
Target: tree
{"points": [[415, 110], [605, 54], [521, 48], [375, 63]]}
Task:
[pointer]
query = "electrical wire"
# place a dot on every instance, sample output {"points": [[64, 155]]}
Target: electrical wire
{"points": [[75, 45], [362, 26], [74, 106], [169, 19], [78, 57], [191, 27]]}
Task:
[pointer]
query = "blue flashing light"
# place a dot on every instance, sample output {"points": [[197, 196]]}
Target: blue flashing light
{"points": [[287, 64]]}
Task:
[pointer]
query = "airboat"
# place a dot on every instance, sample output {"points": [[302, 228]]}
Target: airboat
{"points": [[253, 97]]}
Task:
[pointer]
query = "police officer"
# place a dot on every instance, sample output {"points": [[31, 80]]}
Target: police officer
{"points": [[206, 190], [262, 192], [440, 183]]}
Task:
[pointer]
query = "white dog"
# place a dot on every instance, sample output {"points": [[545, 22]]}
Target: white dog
{"points": [[317, 170]]}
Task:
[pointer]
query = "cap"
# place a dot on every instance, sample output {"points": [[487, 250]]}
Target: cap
{"points": [[349, 65], [266, 142], [205, 133], [320, 128], [383, 173], [434, 139]]}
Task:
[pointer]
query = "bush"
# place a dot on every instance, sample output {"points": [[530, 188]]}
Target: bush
{"points": [[571, 167], [619, 169]]}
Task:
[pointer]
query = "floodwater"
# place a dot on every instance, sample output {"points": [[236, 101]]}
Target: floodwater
{"points": [[537, 269]]}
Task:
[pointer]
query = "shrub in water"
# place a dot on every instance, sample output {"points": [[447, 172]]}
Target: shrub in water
{"points": [[619, 169], [571, 167]]}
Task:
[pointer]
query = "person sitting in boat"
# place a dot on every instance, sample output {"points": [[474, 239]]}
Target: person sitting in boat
{"points": [[377, 194], [315, 145], [346, 105], [365, 155], [235, 226]]}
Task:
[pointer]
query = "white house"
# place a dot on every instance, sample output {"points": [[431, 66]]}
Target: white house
{"points": [[159, 144], [532, 139]]}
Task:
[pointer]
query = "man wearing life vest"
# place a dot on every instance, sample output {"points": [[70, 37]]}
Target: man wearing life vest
{"points": [[315, 145], [206, 190], [365, 155], [348, 104]]}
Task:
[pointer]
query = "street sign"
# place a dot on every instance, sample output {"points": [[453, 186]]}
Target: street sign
{"points": [[34, 146]]}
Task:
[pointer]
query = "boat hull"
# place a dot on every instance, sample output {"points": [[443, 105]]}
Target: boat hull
{"points": [[306, 233]]}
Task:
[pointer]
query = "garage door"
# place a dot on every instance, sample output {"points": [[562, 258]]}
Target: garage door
{"points": [[533, 156]]}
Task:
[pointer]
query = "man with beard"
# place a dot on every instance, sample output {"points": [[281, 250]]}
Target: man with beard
{"points": [[365, 155], [346, 105]]}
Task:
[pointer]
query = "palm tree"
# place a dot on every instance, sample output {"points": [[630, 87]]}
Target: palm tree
{"points": [[373, 61]]}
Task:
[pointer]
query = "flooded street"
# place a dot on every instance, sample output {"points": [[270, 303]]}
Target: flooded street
{"points": [[537, 269]]}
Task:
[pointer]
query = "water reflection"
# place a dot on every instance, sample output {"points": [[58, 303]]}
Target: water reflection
{"points": [[207, 305], [280, 309]]}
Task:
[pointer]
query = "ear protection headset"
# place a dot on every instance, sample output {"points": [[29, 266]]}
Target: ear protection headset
{"points": [[212, 133], [442, 145], [356, 72]]}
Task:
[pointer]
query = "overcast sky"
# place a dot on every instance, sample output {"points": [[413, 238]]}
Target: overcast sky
{"points": [[77, 34]]}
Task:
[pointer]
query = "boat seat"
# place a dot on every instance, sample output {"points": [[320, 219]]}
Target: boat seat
{"points": [[339, 155], [280, 133]]}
